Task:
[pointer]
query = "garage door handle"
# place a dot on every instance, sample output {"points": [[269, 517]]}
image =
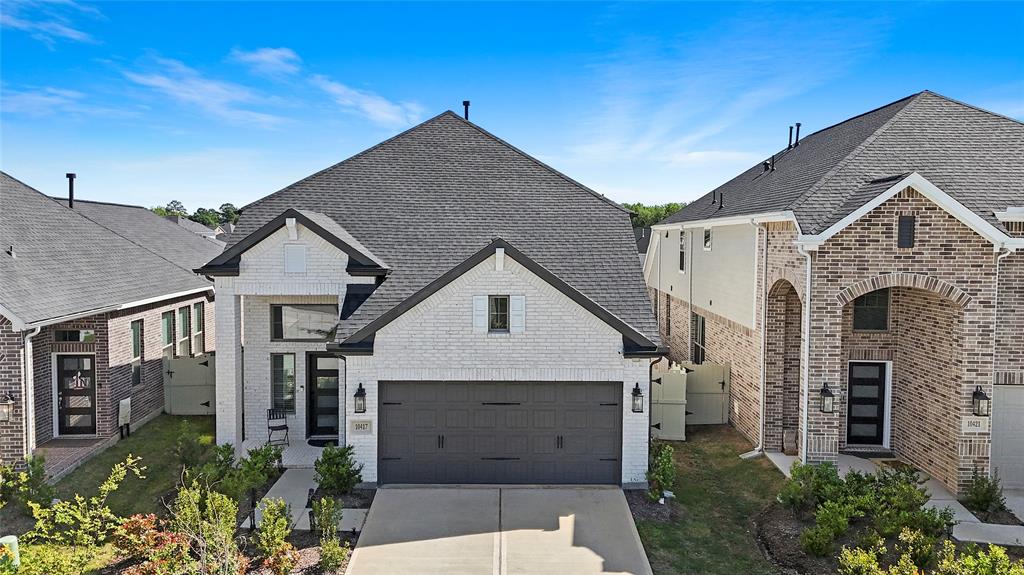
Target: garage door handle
{"points": [[500, 458], [500, 403], [609, 459], [390, 458]]}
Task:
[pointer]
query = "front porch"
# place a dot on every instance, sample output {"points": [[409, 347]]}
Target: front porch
{"points": [[63, 454], [298, 453]]}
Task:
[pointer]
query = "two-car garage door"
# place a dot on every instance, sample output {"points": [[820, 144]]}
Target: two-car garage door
{"points": [[500, 432], [1008, 435]]}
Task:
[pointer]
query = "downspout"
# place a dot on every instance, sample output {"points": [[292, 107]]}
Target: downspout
{"points": [[806, 352], [28, 395], [764, 328], [1004, 251]]}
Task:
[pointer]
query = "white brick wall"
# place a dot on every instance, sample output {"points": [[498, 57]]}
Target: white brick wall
{"points": [[562, 342]]}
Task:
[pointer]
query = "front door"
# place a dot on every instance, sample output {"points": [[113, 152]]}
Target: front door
{"points": [[76, 395], [322, 412], [866, 417]]}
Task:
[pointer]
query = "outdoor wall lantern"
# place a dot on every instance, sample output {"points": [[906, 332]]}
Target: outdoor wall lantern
{"points": [[828, 400], [6, 406], [638, 399], [360, 399], [982, 403]]}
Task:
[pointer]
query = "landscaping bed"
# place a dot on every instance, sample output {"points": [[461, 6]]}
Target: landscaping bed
{"points": [[356, 499], [643, 509]]}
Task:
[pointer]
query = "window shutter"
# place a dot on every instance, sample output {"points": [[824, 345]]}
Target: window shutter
{"points": [[517, 314], [479, 314]]}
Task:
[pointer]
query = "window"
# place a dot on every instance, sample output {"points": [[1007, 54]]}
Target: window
{"points": [[282, 381], [75, 335], [871, 311], [497, 313], [707, 239], [682, 251], [198, 328], [167, 329], [311, 322], [697, 352], [184, 346], [136, 328], [294, 259], [905, 232]]}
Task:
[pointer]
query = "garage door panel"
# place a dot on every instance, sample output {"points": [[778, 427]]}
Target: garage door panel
{"points": [[500, 432], [1008, 435]]}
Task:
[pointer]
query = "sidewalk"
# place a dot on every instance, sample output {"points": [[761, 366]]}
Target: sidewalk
{"points": [[293, 487]]}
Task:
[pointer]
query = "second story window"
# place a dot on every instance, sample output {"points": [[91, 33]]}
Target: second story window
{"points": [[682, 251], [136, 362], [707, 239], [497, 313], [905, 232], [311, 322]]}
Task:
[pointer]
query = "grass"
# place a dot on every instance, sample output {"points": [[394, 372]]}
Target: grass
{"points": [[154, 443], [719, 494]]}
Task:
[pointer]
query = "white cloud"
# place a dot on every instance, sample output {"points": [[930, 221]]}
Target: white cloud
{"points": [[48, 21], [50, 101], [372, 106], [268, 61], [225, 100]]}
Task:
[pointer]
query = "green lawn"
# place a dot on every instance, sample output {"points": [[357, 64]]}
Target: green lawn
{"points": [[154, 443], [718, 495]]}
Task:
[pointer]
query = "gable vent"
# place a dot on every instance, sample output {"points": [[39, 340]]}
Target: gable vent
{"points": [[905, 232]]}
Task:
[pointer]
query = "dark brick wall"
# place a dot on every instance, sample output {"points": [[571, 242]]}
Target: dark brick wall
{"points": [[11, 432]]}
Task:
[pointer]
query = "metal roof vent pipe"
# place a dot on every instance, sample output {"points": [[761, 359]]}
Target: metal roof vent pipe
{"points": [[773, 162], [789, 146], [713, 201], [765, 166], [465, 109], [721, 200], [797, 142], [71, 189]]}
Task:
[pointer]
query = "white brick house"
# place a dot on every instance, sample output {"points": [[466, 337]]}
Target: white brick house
{"points": [[428, 280]]}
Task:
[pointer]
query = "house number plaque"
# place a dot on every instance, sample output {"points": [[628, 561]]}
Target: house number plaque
{"points": [[361, 426], [975, 424]]}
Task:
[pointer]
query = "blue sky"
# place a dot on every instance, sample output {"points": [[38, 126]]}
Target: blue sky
{"points": [[227, 102]]}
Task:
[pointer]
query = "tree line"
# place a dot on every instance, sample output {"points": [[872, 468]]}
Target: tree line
{"points": [[648, 215], [211, 218]]}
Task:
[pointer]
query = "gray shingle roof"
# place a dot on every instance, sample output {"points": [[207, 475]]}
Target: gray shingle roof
{"points": [[194, 227], [431, 197], [973, 155], [67, 264]]}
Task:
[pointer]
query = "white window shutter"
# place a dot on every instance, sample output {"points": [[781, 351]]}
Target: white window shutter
{"points": [[517, 314], [294, 259], [479, 314]]}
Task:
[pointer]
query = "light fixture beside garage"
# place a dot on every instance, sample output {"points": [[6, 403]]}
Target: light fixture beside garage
{"points": [[360, 399], [828, 400], [638, 399], [982, 403]]}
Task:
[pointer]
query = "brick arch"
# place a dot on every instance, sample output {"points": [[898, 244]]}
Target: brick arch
{"points": [[794, 278], [919, 281]]}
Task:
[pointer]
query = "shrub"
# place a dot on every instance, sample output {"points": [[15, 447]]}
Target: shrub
{"points": [[54, 560], [274, 527], [205, 519], [187, 447], [6, 561], [333, 554], [326, 515], [970, 562], [26, 486], [336, 470], [662, 475], [810, 485], [136, 536], [984, 494], [236, 478]]}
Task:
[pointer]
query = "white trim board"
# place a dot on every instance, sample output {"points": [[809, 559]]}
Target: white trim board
{"points": [[928, 190], [785, 216]]}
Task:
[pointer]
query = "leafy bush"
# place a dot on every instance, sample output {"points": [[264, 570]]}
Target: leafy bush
{"points": [[333, 554], [810, 485], [136, 536], [973, 561], [235, 479], [831, 520], [662, 475], [21, 487], [6, 561], [337, 471], [326, 516], [284, 559], [984, 494], [162, 552], [54, 560], [187, 447], [274, 527], [205, 519]]}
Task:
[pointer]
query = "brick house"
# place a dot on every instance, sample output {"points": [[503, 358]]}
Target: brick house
{"points": [[879, 262], [92, 297], [452, 308]]}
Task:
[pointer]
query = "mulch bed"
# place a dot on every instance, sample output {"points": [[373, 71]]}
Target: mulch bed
{"points": [[643, 509], [245, 505], [357, 499], [997, 517], [307, 544]]}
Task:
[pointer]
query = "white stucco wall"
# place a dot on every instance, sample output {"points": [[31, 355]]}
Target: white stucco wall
{"points": [[562, 341], [721, 280]]}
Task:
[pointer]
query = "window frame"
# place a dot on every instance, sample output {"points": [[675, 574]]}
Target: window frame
{"points": [[168, 348], [184, 338], [698, 330], [492, 313], [274, 371], [198, 325], [136, 328], [85, 335], [291, 259], [856, 306], [277, 309], [682, 251], [708, 239]]}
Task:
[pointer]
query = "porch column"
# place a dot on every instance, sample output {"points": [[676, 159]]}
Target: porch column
{"points": [[229, 396], [825, 365]]}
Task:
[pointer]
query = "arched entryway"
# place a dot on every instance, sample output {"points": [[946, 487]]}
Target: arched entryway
{"points": [[783, 370]]}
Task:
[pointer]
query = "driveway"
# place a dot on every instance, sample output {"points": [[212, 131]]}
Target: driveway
{"points": [[499, 531]]}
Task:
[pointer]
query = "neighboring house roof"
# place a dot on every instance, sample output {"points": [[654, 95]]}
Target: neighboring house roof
{"points": [[972, 155], [65, 264], [430, 198], [643, 239], [193, 226]]}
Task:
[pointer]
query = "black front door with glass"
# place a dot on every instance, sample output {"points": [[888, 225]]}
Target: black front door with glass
{"points": [[866, 418], [76, 395], [322, 414]]}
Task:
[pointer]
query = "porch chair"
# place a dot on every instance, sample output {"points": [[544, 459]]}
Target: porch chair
{"points": [[277, 421]]}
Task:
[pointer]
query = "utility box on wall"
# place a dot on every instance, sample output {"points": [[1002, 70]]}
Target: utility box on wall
{"points": [[668, 404]]}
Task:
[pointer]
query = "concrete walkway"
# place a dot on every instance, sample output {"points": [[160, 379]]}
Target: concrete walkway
{"points": [[293, 487], [499, 531], [968, 527]]}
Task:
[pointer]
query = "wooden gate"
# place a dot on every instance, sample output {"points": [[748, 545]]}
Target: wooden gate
{"points": [[189, 385], [707, 393]]}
